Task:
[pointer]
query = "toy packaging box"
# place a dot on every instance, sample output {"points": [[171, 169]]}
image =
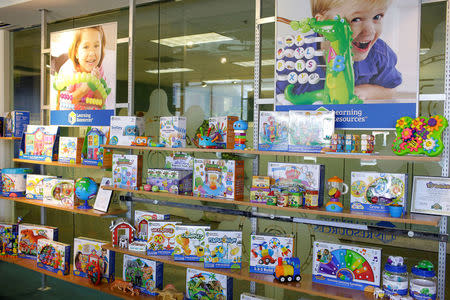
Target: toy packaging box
{"points": [[92, 153], [217, 178], [2, 123], [248, 296], [179, 161], [146, 275], [161, 238], [273, 131], [223, 126], [35, 186], [13, 182], [40, 143], [127, 171], [190, 242], [346, 266], [374, 192], [223, 249], [310, 177], [124, 130], [16, 123], [70, 150], [59, 192], [87, 250], [8, 239], [208, 285], [265, 251], [141, 219], [170, 180], [172, 131], [260, 189], [310, 131], [53, 256], [30, 234]]}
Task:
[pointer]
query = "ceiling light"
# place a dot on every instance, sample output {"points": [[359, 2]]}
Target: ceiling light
{"points": [[251, 63], [169, 70], [223, 60], [6, 3], [190, 40], [223, 81]]}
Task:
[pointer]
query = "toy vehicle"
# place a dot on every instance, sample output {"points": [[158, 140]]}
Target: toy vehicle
{"points": [[288, 270]]}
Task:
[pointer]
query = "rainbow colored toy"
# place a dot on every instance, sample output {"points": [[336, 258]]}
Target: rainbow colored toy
{"points": [[422, 135]]}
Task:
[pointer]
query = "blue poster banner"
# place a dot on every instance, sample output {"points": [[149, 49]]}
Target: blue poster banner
{"points": [[362, 116], [81, 117]]}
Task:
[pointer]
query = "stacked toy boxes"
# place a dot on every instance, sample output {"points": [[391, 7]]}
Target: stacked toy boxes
{"points": [[208, 285], [30, 234]]}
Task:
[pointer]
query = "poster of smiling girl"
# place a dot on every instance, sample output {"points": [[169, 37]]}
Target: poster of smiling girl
{"points": [[83, 75], [357, 57]]}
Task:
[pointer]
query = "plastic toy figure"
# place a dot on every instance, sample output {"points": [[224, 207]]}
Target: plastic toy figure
{"points": [[336, 188], [288, 270], [239, 134]]}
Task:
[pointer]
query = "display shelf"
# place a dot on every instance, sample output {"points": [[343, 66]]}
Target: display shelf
{"points": [[277, 153], [10, 138], [103, 286], [304, 286], [90, 212], [417, 219], [56, 164]]}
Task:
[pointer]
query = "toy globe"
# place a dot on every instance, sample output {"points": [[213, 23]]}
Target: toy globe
{"points": [[336, 187], [85, 189]]}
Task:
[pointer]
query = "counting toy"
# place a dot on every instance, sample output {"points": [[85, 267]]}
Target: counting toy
{"points": [[35, 186], [210, 139], [422, 135], [172, 131], [161, 238], [222, 128], [93, 154], [15, 123], [265, 251], [127, 171], [29, 235], [144, 274], [53, 256], [346, 266], [207, 285], [124, 130], [273, 131], [70, 150], [59, 192], [190, 242], [299, 63], [40, 143], [8, 239], [14, 181], [223, 249], [239, 134], [141, 219]]}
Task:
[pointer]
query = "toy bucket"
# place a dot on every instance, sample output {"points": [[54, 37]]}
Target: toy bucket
{"points": [[395, 211]]}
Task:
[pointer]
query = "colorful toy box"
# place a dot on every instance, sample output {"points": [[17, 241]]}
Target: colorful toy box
{"points": [[127, 171], [217, 178], [30, 234], [125, 129], [146, 275], [16, 123], [309, 177], [179, 161], [223, 127], [40, 143], [35, 186], [141, 219], [374, 192], [161, 238], [14, 181], [310, 131], [8, 239], [170, 180], [87, 250], [70, 150], [346, 266], [208, 285], [2, 127], [172, 131], [265, 251], [190, 242], [59, 192], [273, 131], [53, 256], [92, 153], [260, 189], [223, 249]]}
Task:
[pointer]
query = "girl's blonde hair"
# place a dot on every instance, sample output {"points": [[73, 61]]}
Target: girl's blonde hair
{"points": [[76, 43], [323, 6]]}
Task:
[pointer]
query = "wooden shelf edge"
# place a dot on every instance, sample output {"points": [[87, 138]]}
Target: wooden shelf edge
{"points": [[10, 138], [284, 153], [56, 164], [417, 219], [304, 286], [90, 212]]}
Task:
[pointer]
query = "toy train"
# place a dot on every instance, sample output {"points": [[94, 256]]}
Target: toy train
{"points": [[288, 270]]}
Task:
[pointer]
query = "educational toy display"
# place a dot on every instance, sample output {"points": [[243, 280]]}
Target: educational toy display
{"points": [[125, 129], [87, 251], [217, 178], [190, 242], [30, 234], [35, 186], [179, 161], [172, 131], [14, 182], [92, 153], [59, 192], [346, 266], [265, 251], [273, 131], [15, 123], [422, 135], [53, 256], [310, 131], [223, 249], [161, 238], [70, 150], [222, 127], [127, 171], [40, 143], [122, 233], [145, 275], [171, 180], [141, 219], [8, 239], [375, 192], [208, 285]]}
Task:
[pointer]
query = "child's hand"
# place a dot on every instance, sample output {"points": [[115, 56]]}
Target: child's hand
{"points": [[96, 72], [373, 92]]}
